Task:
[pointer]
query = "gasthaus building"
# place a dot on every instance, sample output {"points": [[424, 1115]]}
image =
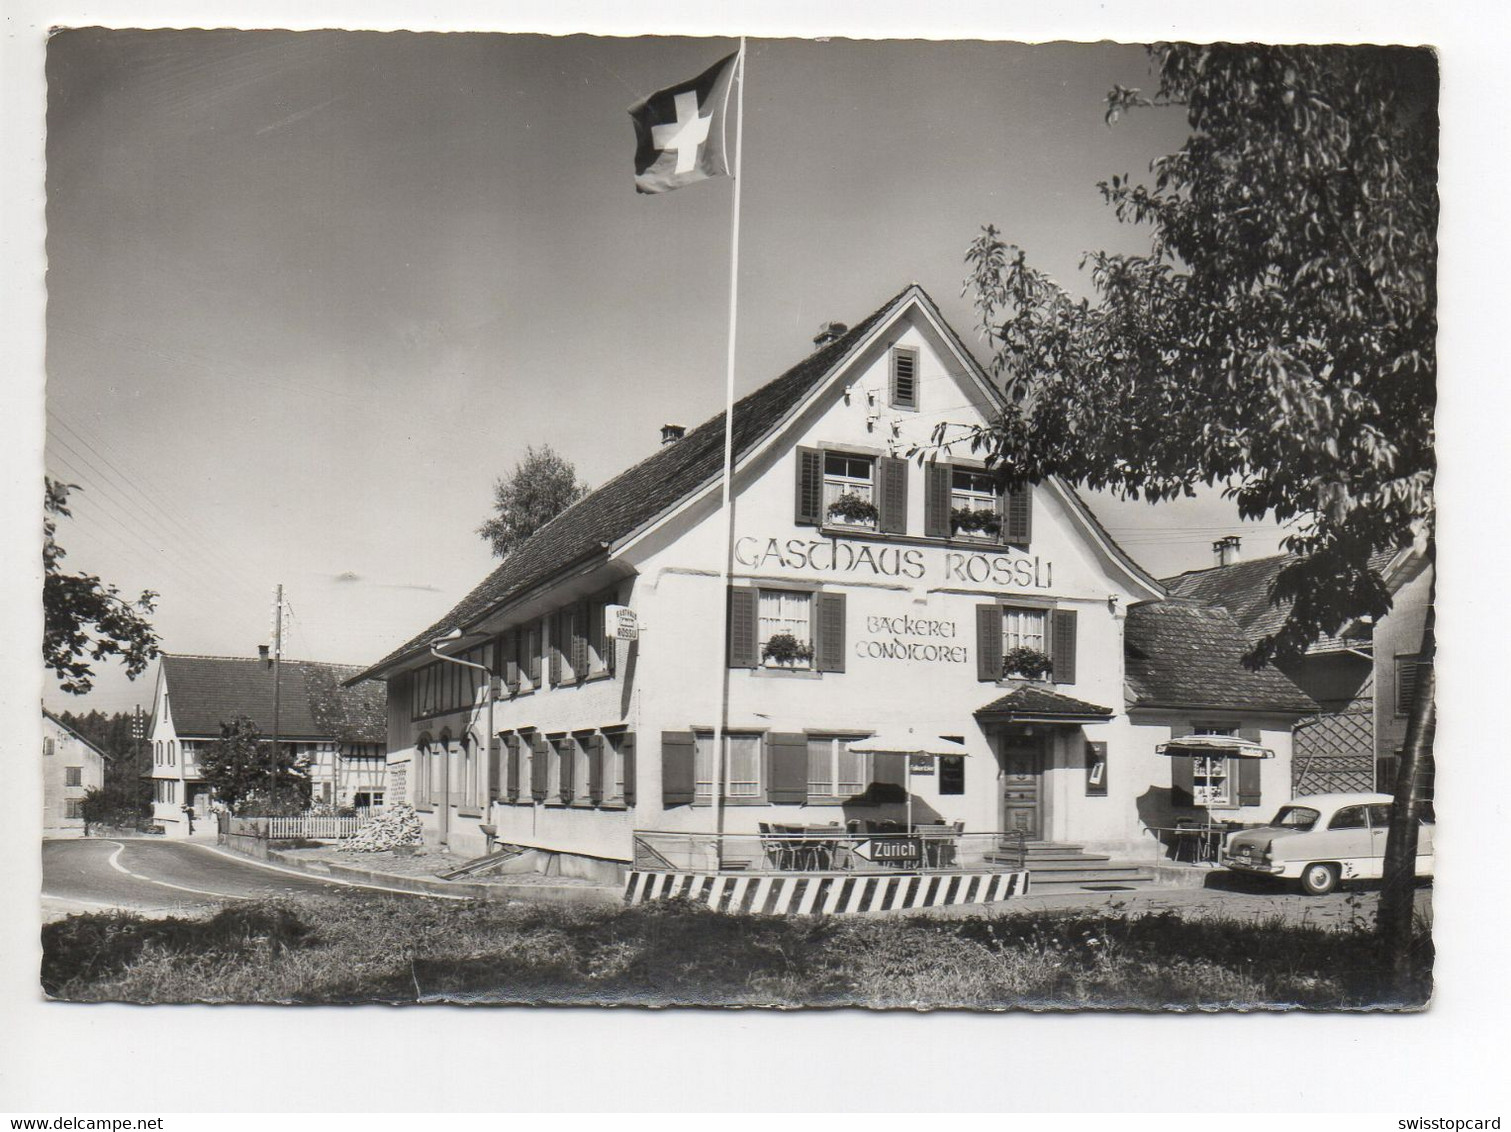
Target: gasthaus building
{"points": [[1014, 670]]}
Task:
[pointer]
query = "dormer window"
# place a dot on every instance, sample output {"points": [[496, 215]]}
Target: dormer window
{"points": [[904, 379]]}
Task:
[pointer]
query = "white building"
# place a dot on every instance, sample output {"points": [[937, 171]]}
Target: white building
{"points": [[869, 594], [71, 767], [338, 731]]}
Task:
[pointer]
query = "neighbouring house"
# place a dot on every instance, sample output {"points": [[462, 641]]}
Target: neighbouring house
{"points": [[71, 767], [337, 730], [1363, 678], [867, 594]]}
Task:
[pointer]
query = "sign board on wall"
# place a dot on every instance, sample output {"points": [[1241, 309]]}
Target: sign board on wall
{"points": [[620, 622], [920, 765]]}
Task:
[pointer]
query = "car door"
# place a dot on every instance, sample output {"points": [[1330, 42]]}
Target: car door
{"points": [[1347, 841], [1379, 832]]}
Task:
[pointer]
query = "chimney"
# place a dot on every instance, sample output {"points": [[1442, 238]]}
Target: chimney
{"points": [[1226, 550], [828, 333], [671, 433]]}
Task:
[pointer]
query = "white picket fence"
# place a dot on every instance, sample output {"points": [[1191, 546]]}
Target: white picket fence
{"points": [[317, 828]]}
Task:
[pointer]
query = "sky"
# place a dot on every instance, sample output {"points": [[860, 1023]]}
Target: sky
{"points": [[311, 293]]}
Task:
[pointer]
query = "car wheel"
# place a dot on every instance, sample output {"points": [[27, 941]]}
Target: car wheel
{"points": [[1319, 879]]}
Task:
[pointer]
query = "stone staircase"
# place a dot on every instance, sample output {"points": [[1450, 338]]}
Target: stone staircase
{"points": [[1055, 868]]}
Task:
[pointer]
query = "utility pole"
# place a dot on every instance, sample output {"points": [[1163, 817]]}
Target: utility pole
{"points": [[277, 689]]}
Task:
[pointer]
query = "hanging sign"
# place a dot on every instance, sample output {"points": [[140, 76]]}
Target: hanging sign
{"points": [[920, 765], [621, 623]]}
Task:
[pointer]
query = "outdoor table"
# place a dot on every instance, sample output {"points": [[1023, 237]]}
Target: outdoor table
{"points": [[1202, 841]]}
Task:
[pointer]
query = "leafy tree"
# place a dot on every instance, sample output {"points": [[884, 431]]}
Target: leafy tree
{"points": [[1277, 339], [240, 766], [542, 486], [86, 620], [125, 805]]}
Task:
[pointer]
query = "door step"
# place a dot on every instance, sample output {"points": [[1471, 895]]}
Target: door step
{"points": [[1056, 868]]}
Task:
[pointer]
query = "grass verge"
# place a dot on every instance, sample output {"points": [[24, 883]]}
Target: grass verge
{"points": [[355, 950]]}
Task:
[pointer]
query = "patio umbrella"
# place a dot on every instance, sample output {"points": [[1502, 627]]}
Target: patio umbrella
{"points": [[1194, 746], [908, 742]]}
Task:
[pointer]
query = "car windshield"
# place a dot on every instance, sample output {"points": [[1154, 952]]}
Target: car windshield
{"points": [[1296, 817]]}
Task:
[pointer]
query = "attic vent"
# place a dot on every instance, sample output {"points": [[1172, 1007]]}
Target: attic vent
{"points": [[828, 333], [904, 379]]}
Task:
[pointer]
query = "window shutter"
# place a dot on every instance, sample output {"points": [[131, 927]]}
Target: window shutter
{"points": [[1182, 780], [495, 767], [936, 500], [810, 487], [893, 473], [1063, 650], [556, 627], [511, 767], [539, 773], [627, 753], [789, 768], [829, 634], [1017, 515], [595, 768], [1247, 775], [905, 379], [580, 642], [566, 750], [533, 660], [989, 642], [511, 660], [744, 639], [678, 767]]}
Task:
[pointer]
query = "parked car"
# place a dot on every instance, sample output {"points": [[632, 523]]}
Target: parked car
{"points": [[1322, 839]]}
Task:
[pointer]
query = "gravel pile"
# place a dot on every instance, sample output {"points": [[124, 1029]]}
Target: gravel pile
{"points": [[397, 825]]}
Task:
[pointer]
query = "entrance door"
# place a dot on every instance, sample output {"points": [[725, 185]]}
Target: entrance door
{"points": [[1022, 783]]}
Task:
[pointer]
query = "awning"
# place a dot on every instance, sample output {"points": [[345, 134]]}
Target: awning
{"points": [[1032, 703], [1229, 745], [910, 741]]}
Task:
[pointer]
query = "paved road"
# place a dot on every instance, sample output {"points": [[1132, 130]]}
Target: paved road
{"points": [[157, 877]]}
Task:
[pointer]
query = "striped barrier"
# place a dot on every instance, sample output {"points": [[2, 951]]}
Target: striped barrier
{"points": [[823, 895]]}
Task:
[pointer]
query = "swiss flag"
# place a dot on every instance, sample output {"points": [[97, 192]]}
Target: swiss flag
{"points": [[680, 131]]}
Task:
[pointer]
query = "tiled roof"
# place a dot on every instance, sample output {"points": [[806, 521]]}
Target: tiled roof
{"points": [[1033, 700], [1183, 653], [635, 497], [1243, 589], [206, 691]]}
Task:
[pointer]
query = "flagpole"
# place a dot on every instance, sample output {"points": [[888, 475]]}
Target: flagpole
{"points": [[721, 762]]}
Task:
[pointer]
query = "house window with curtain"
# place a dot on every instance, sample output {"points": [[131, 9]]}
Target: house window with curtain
{"points": [[1024, 629], [834, 771], [73, 776], [786, 614], [742, 769], [849, 483]]}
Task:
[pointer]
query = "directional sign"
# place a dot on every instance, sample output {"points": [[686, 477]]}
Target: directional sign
{"points": [[892, 850]]}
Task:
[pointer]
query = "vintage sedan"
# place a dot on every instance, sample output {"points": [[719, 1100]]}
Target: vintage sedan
{"points": [[1323, 839]]}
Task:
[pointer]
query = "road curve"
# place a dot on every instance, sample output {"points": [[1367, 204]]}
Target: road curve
{"points": [[159, 878]]}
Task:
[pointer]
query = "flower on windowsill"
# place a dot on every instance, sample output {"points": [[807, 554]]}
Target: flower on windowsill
{"points": [[784, 648], [853, 509], [981, 521], [1026, 662]]}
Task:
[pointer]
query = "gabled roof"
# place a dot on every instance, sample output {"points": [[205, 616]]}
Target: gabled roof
{"points": [[206, 691], [82, 739], [1244, 588], [625, 505], [1030, 703], [1181, 653]]}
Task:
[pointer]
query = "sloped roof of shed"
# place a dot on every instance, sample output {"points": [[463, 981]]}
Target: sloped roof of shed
{"points": [[1184, 653], [206, 691]]}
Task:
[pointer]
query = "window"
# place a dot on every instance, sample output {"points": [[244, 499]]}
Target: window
{"points": [[1407, 668], [1024, 629], [848, 484], [1350, 817], [74, 808], [975, 510], [172, 753], [48, 745], [786, 613], [952, 774], [164, 790], [1210, 784], [742, 765], [1300, 818], [580, 760], [566, 646], [834, 771], [559, 769], [73, 776], [157, 752], [613, 766], [904, 383], [1379, 815]]}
